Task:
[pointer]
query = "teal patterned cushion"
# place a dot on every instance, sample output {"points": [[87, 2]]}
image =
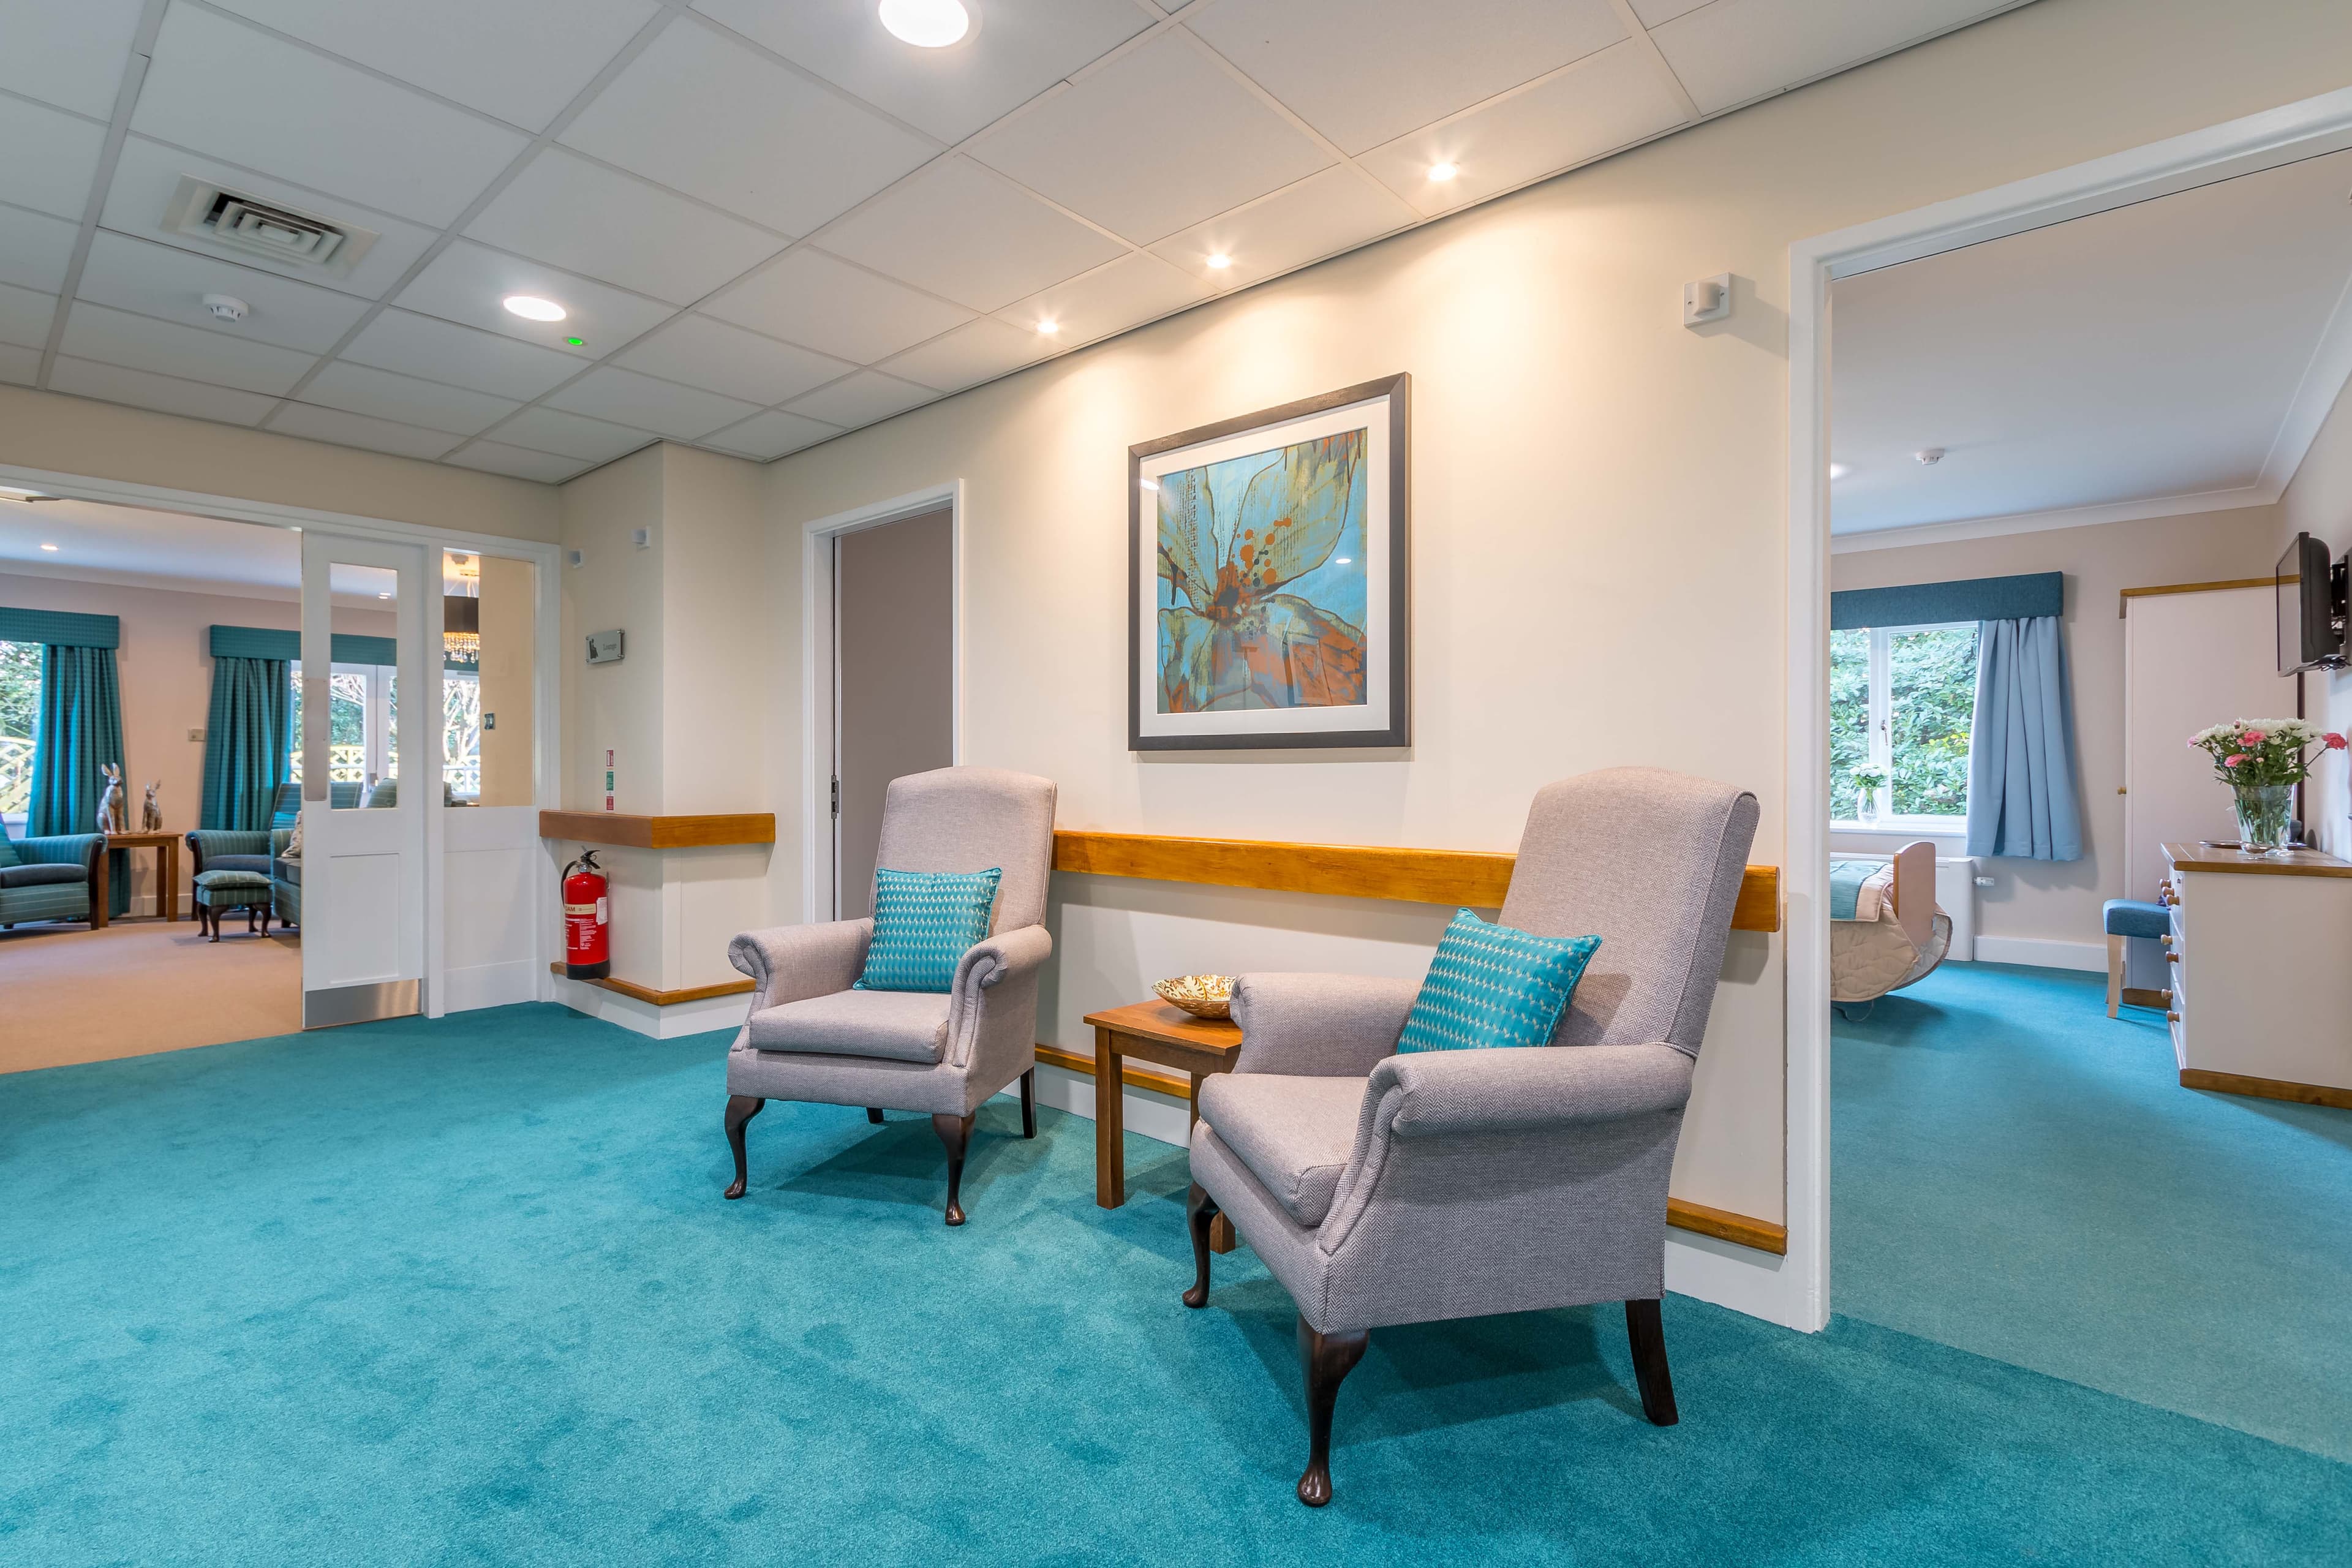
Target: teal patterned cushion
{"points": [[1494, 985], [923, 921]]}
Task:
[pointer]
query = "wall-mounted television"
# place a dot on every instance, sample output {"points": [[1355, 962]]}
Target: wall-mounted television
{"points": [[2311, 609]]}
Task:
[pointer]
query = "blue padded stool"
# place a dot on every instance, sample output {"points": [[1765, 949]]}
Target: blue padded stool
{"points": [[2126, 919]]}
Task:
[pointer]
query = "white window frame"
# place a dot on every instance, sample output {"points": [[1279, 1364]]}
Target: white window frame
{"points": [[1881, 737]]}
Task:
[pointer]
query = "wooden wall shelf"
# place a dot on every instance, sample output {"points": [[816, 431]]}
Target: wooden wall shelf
{"points": [[1474, 878], [662, 999], [632, 832]]}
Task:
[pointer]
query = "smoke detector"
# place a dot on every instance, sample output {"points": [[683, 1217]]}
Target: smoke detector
{"points": [[233, 220], [228, 307], [1929, 457]]}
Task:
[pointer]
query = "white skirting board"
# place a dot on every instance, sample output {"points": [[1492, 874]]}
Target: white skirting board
{"points": [[489, 985], [2042, 952], [660, 1023]]}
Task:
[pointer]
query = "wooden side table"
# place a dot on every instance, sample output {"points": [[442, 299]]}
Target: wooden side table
{"points": [[1152, 1032], [167, 869]]}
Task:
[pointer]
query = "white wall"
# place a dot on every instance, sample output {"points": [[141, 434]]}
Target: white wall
{"points": [[2319, 503], [2041, 911]]}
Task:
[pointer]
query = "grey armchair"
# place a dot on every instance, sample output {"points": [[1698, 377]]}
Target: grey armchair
{"points": [[811, 1037], [1382, 1189]]}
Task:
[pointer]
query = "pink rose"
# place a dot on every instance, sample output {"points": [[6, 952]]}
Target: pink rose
{"points": [[2234, 759], [2253, 738], [2335, 741]]}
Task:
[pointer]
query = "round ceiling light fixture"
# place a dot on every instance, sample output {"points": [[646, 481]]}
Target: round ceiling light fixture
{"points": [[51, 548], [531, 308], [1441, 173], [1049, 326], [1220, 261], [927, 24]]}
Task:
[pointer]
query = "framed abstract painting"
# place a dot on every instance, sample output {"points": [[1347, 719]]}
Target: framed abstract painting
{"points": [[1269, 585]]}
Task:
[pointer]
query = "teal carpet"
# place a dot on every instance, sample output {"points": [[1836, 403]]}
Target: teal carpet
{"points": [[2018, 1174], [466, 1293]]}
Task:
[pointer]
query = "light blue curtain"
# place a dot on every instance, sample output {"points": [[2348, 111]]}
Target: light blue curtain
{"points": [[80, 727], [2021, 799], [245, 743]]}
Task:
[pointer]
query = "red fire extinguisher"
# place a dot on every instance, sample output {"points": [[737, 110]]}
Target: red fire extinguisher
{"points": [[587, 952]]}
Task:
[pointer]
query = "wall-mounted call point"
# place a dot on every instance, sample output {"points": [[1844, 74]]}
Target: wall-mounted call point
{"points": [[1708, 300], [603, 647]]}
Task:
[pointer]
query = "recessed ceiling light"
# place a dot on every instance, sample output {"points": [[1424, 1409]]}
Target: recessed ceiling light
{"points": [[531, 308], [1220, 261], [927, 24], [1839, 470], [1049, 326], [1442, 172], [384, 595], [49, 547]]}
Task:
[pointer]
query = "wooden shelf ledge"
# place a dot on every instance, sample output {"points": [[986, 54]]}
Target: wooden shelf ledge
{"points": [[1475, 878], [661, 998], [633, 832]]}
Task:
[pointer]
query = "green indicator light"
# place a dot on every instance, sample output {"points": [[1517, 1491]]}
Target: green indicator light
{"points": [[577, 343]]}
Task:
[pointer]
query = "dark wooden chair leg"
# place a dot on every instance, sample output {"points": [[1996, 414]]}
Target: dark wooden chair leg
{"points": [[1326, 1360], [1029, 1103], [1648, 1335], [1200, 1213], [874, 1115], [214, 927], [955, 1131], [740, 1109]]}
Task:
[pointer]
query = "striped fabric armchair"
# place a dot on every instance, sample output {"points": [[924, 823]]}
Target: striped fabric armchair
{"points": [[47, 879]]}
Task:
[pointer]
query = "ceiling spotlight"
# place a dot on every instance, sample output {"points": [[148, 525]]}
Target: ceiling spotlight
{"points": [[1929, 457], [531, 308], [51, 548], [1441, 173], [1049, 326], [1220, 261], [1839, 470], [927, 24]]}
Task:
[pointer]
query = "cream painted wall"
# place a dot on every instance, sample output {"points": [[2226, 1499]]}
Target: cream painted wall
{"points": [[2058, 901], [50, 431], [614, 707], [164, 669], [2319, 503], [509, 630], [1600, 496]]}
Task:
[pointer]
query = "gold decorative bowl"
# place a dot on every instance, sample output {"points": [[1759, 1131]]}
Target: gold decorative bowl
{"points": [[1202, 996]]}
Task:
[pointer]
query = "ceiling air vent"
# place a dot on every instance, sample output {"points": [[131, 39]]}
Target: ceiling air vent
{"points": [[287, 235]]}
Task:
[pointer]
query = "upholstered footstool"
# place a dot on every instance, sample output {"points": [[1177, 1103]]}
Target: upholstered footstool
{"points": [[220, 890], [2124, 920]]}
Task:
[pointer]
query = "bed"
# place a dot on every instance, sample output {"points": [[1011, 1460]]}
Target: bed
{"points": [[1886, 929]]}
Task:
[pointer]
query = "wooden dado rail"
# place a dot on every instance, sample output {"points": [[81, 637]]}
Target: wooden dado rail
{"points": [[1474, 878], [633, 832]]}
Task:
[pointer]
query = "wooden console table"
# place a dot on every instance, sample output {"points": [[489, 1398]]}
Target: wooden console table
{"points": [[167, 874], [1153, 1032]]}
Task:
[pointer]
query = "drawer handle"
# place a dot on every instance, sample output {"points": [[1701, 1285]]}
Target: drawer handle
{"points": [[2171, 958], [2173, 1017]]}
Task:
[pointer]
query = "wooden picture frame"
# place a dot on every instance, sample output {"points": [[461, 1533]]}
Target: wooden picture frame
{"points": [[1297, 673]]}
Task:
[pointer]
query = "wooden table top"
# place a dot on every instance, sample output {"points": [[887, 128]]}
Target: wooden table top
{"points": [[1170, 1025]]}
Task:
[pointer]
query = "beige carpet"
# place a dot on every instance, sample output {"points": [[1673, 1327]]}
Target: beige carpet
{"points": [[71, 995]]}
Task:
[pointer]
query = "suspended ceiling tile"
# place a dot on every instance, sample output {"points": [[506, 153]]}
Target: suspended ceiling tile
{"points": [[53, 157], [236, 93], [517, 462], [1615, 99], [1154, 142], [25, 315], [813, 299], [1652, 12], [572, 436], [21, 366], [770, 435], [468, 283], [382, 394], [34, 249], [442, 351], [157, 280], [522, 60], [1022, 50], [1131, 290], [168, 394], [703, 113], [624, 397], [1734, 51], [585, 219], [862, 399], [71, 53], [982, 350], [967, 232], [1333, 211], [1365, 71], [345, 429], [699, 351], [147, 176], [167, 348]]}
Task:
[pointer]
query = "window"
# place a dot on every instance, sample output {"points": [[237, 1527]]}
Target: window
{"points": [[20, 710], [1902, 697], [363, 745], [461, 734]]}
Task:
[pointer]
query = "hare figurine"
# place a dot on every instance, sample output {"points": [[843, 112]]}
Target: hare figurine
{"points": [[151, 815], [113, 816]]}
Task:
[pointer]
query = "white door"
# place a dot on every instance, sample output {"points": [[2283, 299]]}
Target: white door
{"points": [[2190, 660], [369, 811]]}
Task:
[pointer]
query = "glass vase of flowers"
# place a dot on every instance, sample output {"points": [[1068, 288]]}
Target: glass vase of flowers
{"points": [[1868, 780], [2262, 760]]}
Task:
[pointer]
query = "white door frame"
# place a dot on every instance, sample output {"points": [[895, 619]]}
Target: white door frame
{"points": [[1799, 1292], [821, 675], [547, 676]]}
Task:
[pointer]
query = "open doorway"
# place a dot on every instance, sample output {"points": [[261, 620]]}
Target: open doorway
{"points": [[2061, 461]]}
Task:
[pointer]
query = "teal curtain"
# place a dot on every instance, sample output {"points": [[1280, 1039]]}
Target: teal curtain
{"points": [[80, 728], [2021, 746], [247, 741]]}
